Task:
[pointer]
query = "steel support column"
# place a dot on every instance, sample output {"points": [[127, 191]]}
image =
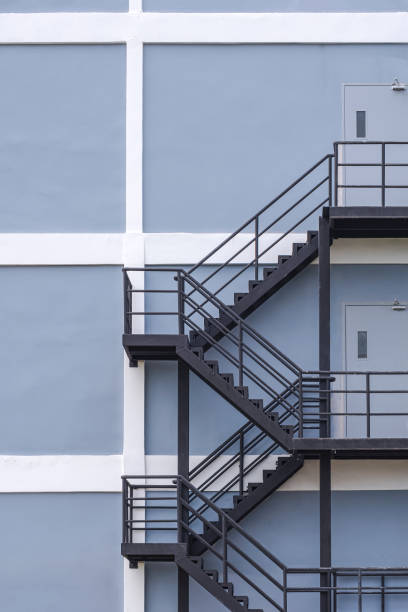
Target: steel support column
{"points": [[324, 322], [324, 365], [183, 445]]}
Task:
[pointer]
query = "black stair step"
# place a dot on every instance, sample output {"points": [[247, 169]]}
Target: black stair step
{"points": [[311, 235], [253, 284], [199, 561], [282, 461], [274, 416], [227, 586], [238, 297], [211, 327], [198, 351], [242, 599], [213, 574], [258, 403], [228, 377], [283, 259], [197, 341], [252, 486], [267, 272], [288, 429], [237, 499], [213, 365], [297, 246], [242, 391]]}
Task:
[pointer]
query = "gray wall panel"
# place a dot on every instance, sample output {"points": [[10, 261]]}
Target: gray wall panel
{"points": [[45, 6], [60, 552], [61, 360], [62, 138], [228, 126]]}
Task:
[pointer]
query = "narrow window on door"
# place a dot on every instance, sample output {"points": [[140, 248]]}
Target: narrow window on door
{"points": [[360, 124], [362, 345]]}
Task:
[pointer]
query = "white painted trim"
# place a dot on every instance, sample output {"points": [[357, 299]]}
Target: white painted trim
{"points": [[135, 6], [350, 475], [60, 473], [229, 28], [134, 136], [136, 249], [60, 249]]}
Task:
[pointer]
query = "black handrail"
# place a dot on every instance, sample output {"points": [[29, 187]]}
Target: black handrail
{"points": [[191, 520]]}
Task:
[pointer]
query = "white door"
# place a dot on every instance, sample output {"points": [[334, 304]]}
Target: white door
{"points": [[377, 340], [374, 113]]}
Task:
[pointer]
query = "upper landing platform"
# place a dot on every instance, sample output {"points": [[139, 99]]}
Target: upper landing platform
{"points": [[368, 221]]}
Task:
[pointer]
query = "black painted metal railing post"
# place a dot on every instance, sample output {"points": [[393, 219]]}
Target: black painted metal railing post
{"points": [[368, 407], [383, 174], [127, 303], [125, 538], [330, 181], [382, 593], [360, 592], [181, 302], [241, 354], [285, 589], [256, 248], [241, 462], [224, 549], [336, 174], [300, 408]]}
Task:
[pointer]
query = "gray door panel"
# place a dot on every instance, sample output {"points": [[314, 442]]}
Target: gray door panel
{"points": [[374, 112], [386, 349]]}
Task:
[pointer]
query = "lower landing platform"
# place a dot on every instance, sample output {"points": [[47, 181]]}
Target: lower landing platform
{"points": [[152, 552], [353, 448]]}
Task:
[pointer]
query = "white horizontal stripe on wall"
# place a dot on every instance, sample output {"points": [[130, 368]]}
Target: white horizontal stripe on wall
{"points": [[135, 249], [204, 27], [350, 475], [61, 473]]}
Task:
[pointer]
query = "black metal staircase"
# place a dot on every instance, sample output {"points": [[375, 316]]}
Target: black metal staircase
{"points": [[287, 407]]}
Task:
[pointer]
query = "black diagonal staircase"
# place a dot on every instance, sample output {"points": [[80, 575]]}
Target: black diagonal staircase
{"points": [[237, 395], [274, 278], [212, 582], [255, 494]]}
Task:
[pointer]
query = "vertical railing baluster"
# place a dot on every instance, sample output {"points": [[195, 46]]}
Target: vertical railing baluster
{"points": [[181, 302], [127, 304], [336, 174], [382, 593], [285, 590], [330, 175], [241, 463], [360, 593], [256, 248], [131, 489], [224, 549], [300, 404], [241, 354], [368, 407], [124, 511], [383, 174], [334, 591]]}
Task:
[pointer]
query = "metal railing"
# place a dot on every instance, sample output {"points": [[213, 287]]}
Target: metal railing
{"points": [[310, 192], [253, 360], [382, 184], [354, 403], [173, 504]]}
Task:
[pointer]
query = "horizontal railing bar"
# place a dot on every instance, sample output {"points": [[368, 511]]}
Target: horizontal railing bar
{"points": [[260, 212], [265, 229], [372, 186], [370, 142], [369, 165]]}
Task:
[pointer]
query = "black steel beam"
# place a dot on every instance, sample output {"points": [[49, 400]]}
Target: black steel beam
{"points": [[324, 319], [152, 346], [152, 552], [183, 445], [325, 529]]}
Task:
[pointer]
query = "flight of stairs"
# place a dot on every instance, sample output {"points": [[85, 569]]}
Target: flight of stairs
{"points": [[211, 581], [254, 495], [274, 277]]}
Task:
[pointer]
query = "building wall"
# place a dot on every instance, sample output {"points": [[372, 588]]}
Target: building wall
{"points": [[114, 142]]}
